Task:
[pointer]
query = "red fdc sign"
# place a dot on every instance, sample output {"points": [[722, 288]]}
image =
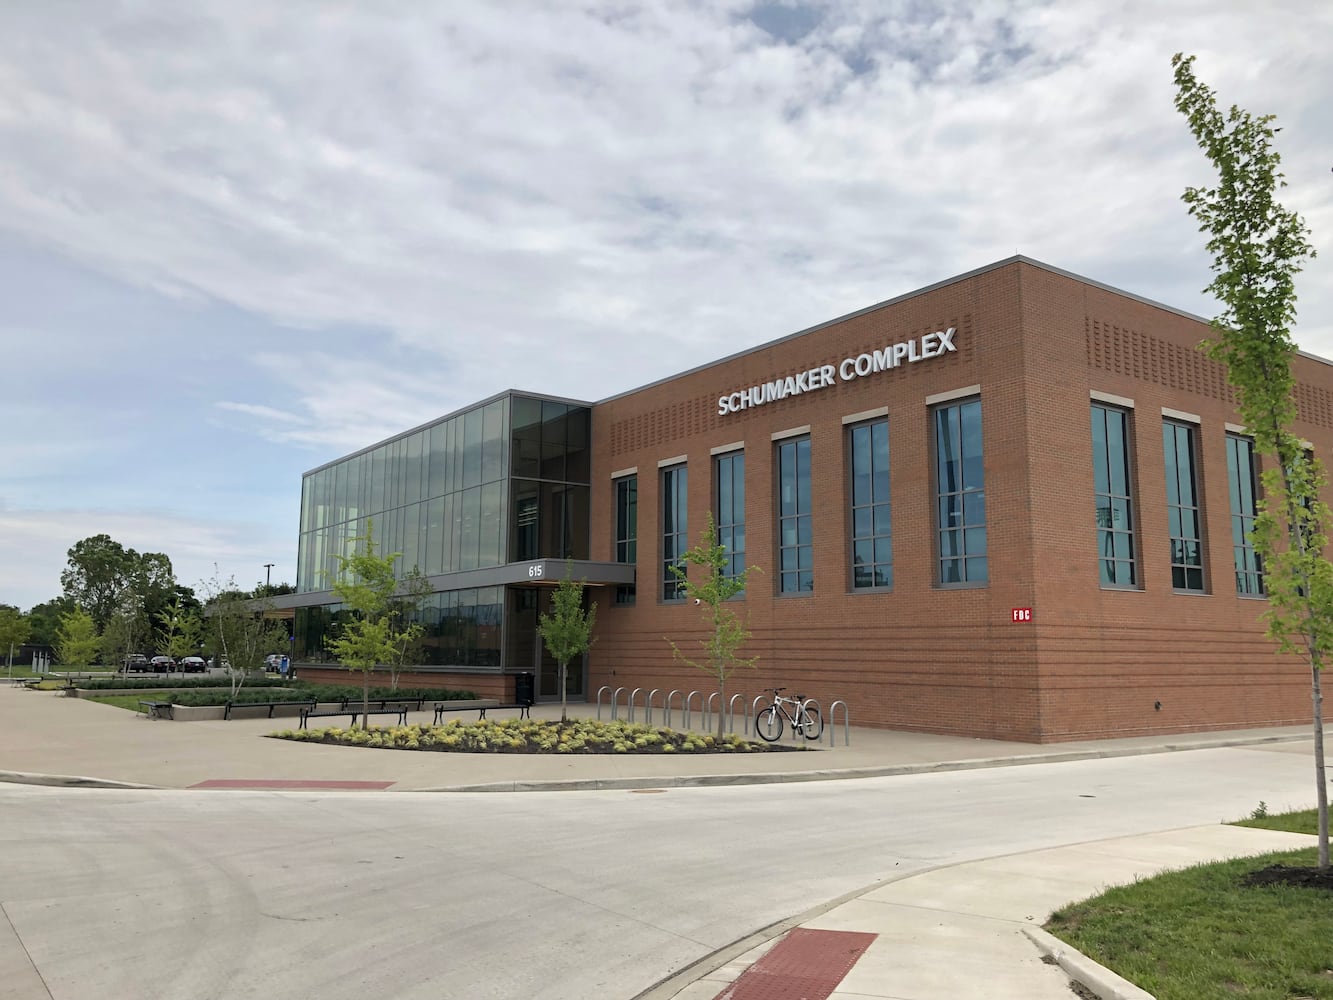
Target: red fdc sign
{"points": [[1022, 614]]}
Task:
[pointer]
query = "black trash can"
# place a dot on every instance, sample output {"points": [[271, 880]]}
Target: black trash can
{"points": [[525, 688]]}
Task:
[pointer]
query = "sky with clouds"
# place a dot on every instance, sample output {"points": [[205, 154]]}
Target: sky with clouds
{"points": [[239, 239]]}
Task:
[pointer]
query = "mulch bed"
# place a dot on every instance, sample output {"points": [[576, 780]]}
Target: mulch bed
{"points": [[1308, 878]]}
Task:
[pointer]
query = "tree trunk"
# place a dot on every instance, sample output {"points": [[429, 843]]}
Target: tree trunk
{"points": [[564, 717], [721, 709], [1320, 783], [365, 698]]}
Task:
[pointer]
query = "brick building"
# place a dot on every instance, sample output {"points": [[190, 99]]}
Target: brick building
{"points": [[1009, 505]]}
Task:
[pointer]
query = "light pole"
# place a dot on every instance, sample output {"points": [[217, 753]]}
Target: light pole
{"points": [[268, 570]]}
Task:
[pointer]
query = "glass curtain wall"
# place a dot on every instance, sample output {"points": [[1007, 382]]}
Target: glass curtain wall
{"points": [[550, 444]]}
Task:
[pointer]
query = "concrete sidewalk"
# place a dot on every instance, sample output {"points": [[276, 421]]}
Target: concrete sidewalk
{"points": [[57, 739], [973, 930]]}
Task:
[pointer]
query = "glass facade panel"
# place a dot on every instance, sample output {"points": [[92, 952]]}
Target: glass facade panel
{"points": [[1114, 505], [872, 537], [554, 445], [1242, 486], [675, 528], [960, 490], [729, 476], [1186, 540], [525, 450], [795, 538]]}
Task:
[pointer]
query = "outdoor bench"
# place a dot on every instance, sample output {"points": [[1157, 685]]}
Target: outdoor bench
{"points": [[270, 705], [156, 709], [480, 709], [350, 703], [311, 713]]}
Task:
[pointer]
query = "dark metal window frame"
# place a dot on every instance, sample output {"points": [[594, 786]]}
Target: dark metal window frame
{"points": [[963, 508], [872, 508], [1117, 534], [1187, 577], [794, 518]]}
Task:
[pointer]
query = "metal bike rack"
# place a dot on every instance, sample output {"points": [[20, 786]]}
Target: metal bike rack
{"points": [[846, 724], [615, 702], [632, 695], [648, 710], [713, 697], [812, 701], [754, 712], [607, 689], [689, 696], [667, 710]]}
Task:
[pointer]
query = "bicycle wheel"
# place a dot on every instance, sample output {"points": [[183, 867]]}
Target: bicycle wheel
{"points": [[812, 724], [768, 724]]}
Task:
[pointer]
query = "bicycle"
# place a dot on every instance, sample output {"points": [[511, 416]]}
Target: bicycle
{"points": [[803, 717]]}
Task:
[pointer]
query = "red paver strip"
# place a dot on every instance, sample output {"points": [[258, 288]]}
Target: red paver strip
{"points": [[805, 965], [289, 783]]}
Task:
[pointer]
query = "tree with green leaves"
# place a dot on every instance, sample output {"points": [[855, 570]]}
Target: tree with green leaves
{"points": [[14, 631], [410, 594], [238, 632], [179, 631], [77, 641], [726, 632], [1258, 248], [567, 630], [366, 586], [45, 620]]}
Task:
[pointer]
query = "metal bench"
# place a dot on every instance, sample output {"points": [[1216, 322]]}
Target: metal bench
{"points": [[307, 714], [156, 709], [441, 709], [270, 705]]}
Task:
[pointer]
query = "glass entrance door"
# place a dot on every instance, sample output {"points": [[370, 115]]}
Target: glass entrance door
{"points": [[526, 651]]}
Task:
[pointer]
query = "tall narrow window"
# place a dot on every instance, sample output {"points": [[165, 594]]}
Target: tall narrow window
{"points": [[1242, 489], [729, 473], [795, 533], [1115, 507], [627, 531], [1182, 507], [675, 528], [872, 537], [961, 494]]}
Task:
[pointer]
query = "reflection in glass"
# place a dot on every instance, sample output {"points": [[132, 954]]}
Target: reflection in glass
{"points": [[960, 491]]}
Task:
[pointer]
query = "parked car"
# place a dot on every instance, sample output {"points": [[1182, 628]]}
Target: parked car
{"points": [[273, 661], [193, 664], [162, 664], [136, 662], [226, 664]]}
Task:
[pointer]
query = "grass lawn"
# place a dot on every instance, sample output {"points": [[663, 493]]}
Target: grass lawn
{"points": [[1200, 934]]}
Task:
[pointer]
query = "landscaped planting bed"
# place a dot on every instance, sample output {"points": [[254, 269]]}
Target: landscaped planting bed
{"points": [[582, 736]]}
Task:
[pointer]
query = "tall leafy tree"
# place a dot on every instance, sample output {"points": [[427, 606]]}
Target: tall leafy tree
{"points": [[567, 630], [1258, 248], [365, 585], [45, 619], [726, 632], [102, 575], [77, 641], [237, 630], [14, 631]]}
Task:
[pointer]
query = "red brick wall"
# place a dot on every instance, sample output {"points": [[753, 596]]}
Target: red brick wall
{"points": [[1094, 662]]}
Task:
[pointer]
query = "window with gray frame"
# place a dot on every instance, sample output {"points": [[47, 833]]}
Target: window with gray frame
{"points": [[627, 530], [729, 476], [960, 492], [1115, 506], [1242, 488], [872, 536], [795, 530], [675, 528], [1182, 507]]}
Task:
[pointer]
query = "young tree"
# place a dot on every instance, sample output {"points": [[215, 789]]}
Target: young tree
{"points": [[727, 633], [14, 630], [237, 631], [1258, 248], [365, 586], [567, 630], [178, 631], [77, 641], [411, 592]]}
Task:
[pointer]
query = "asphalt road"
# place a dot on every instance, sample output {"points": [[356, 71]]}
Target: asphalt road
{"points": [[137, 895]]}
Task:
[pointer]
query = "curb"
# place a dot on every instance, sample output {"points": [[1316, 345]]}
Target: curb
{"points": [[1101, 980], [68, 781]]}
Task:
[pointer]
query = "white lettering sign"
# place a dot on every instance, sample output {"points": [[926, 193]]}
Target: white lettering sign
{"points": [[932, 345]]}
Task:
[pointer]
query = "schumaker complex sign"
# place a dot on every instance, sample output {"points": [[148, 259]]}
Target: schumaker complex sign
{"points": [[932, 345]]}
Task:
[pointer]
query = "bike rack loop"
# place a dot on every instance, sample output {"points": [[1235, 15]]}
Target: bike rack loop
{"points": [[648, 709], [713, 696], [846, 723], [819, 708], [754, 711], [606, 688], [632, 696], [692, 694], [731, 712], [615, 702], [667, 708]]}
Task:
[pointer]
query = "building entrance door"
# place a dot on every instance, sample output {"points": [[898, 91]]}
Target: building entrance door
{"points": [[528, 652]]}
